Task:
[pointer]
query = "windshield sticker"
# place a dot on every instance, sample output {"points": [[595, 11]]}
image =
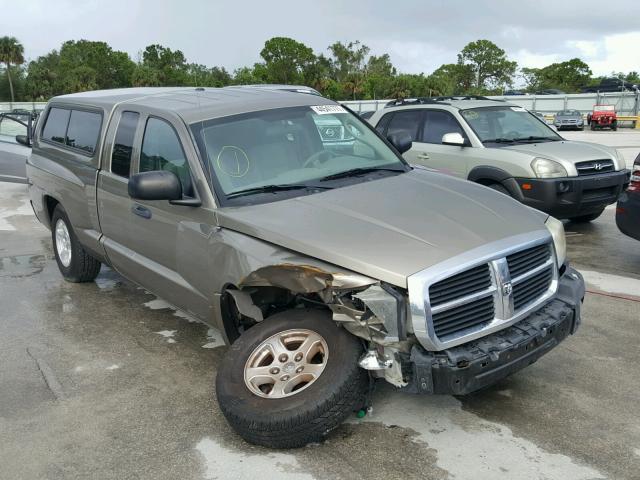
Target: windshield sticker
{"points": [[518, 109], [470, 114], [328, 109]]}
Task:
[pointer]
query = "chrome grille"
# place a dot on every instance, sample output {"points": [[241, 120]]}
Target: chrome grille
{"points": [[593, 167], [496, 291]]}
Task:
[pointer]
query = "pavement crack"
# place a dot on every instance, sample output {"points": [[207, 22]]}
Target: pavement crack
{"points": [[49, 377]]}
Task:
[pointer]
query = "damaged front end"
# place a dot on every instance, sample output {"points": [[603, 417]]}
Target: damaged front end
{"points": [[372, 310]]}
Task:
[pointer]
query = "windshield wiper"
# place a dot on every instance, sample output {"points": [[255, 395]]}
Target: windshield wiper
{"points": [[499, 140], [533, 139], [274, 189], [354, 172]]}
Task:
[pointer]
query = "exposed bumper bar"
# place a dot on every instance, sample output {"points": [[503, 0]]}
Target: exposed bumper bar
{"points": [[477, 364]]}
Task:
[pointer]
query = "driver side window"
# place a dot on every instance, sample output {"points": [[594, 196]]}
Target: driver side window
{"points": [[162, 150], [436, 124]]}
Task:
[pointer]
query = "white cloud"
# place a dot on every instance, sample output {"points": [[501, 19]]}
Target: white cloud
{"points": [[617, 53]]}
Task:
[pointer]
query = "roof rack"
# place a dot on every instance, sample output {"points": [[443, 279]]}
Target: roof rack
{"points": [[443, 100]]}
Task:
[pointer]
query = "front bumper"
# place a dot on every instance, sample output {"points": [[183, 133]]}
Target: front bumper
{"points": [[463, 369], [571, 196]]}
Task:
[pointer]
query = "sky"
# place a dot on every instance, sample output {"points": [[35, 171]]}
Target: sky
{"points": [[419, 35]]}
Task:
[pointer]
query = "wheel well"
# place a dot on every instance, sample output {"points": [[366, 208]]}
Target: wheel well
{"points": [[50, 204], [487, 181], [269, 300]]}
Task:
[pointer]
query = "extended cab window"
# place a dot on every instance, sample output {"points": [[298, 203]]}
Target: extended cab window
{"points": [[436, 124], [405, 122], [123, 144], [84, 130], [55, 130], [161, 150]]}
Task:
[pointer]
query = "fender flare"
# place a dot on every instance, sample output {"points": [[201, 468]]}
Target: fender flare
{"points": [[486, 174]]}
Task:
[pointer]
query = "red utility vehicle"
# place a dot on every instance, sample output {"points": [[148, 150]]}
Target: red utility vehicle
{"points": [[603, 116]]}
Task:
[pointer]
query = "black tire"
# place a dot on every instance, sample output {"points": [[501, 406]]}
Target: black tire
{"points": [[309, 415], [499, 188], [586, 218], [83, 267]]}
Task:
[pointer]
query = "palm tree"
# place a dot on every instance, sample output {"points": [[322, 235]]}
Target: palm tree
{"points": [[11, 52]]}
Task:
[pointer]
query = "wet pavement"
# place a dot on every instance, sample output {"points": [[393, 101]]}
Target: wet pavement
{"points": [[103, 380]]}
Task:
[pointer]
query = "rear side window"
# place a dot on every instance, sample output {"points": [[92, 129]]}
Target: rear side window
{"points": [[123, 144], [162, 150], [83, 131], [405, 122], [55, 130]]}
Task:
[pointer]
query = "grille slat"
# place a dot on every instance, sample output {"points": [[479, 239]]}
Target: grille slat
{"points": [[464, 316], [528, 259], [531, 288], [460, 285]]}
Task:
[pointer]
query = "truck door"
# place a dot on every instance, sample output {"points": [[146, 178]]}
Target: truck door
{"points": [[157, 245]]}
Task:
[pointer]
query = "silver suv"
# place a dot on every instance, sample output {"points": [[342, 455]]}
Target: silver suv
{"points": [[324, 266], [507, 148]]}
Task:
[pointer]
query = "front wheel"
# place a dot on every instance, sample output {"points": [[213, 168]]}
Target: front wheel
{"points": [[75, 264], [291, 379]]}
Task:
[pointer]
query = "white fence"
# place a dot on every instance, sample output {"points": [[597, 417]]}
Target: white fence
{"points": [[626, 103]]}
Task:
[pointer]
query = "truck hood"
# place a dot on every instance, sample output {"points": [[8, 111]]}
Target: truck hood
{"points": [[387, 228], [568, 153]]}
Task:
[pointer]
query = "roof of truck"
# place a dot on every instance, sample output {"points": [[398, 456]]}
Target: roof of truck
{"points": [[195, 104]]}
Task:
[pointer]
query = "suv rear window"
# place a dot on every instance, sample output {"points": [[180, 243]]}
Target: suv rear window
{"points": [[83, 131], [55, 129]]}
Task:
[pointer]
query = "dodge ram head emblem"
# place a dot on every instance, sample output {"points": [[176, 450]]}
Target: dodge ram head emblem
{"points": [[507, 289]]}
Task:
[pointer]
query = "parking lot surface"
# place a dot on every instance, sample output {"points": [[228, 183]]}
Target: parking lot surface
{"points": [[103, 380]]}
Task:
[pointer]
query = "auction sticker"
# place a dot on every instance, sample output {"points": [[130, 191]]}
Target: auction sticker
{"points": [[518, 109], [328, 109]]}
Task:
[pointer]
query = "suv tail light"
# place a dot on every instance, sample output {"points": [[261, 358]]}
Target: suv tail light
{"points": [[634, 184]]}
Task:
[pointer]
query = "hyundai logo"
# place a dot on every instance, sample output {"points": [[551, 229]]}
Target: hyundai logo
{"points": [[598, 166]]}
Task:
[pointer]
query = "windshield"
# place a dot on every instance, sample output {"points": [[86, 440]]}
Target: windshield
{"points": [[568, 113], [274, 154], [502, 126]]}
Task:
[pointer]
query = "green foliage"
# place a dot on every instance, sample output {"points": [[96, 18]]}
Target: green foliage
{"points": [[489, 64], [286, 60], [347, 72], [567, 76], [11, 53]]}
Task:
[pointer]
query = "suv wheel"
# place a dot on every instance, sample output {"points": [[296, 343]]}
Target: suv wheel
{"points": [[75, 264], [586, 218], [291, 379]]}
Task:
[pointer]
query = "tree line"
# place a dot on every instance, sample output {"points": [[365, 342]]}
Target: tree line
{"points": [[347, 71]]}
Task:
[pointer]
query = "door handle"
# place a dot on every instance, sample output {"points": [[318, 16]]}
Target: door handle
{"points": [[141, 211], [423, 156]]}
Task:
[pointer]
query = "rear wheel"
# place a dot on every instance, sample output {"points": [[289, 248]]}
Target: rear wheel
{"points": [[291, 379], [75, 264], [586, 218]]}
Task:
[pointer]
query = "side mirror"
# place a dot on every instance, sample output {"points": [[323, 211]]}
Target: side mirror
{"points": [[453, 139], [401, 141], [23, 140], [157, 185]]}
